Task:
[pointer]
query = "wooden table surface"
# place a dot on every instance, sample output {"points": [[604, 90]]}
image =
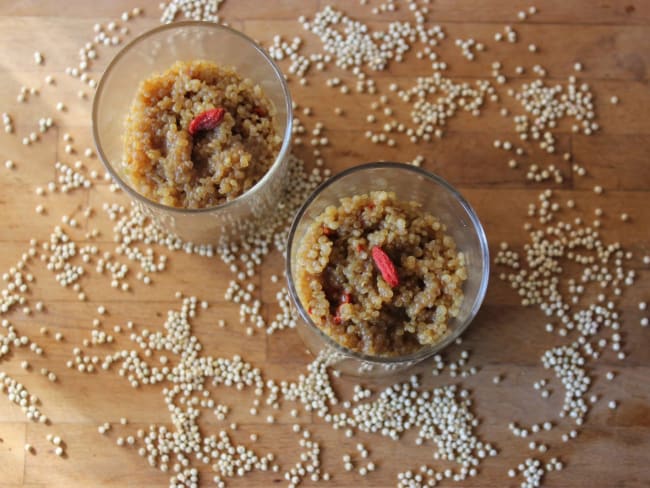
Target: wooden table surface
{"points": [[610, 38]]}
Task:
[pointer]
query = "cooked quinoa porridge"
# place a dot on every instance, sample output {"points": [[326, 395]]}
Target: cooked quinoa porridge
{"points": [[198, 135], [380, 276]]}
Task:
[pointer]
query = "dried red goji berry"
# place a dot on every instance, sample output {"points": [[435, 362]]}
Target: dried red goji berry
{"points": [[386, 266], [206, 120], [361, 248], [326, 230], [261, 111]]}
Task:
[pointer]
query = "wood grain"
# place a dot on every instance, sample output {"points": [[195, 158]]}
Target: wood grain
{"points": [[609, 38]]}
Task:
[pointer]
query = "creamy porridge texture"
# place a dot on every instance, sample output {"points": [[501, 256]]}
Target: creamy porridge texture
{"points": [[379, 275], [198, 135]]}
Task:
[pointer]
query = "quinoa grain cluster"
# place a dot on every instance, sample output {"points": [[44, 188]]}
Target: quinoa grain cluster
{"points": [[166, 163], [342, 287]]}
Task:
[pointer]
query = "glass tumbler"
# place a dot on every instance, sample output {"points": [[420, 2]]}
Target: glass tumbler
{"points": [[155, 51], [436, 197]]}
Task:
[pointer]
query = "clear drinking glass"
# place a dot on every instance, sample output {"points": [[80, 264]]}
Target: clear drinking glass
{"points": [[155, 51], [436, 197]]}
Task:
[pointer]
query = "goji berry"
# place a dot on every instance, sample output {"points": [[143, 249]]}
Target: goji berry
{"points": [[386, 266], [206, 120], [261, 111]]}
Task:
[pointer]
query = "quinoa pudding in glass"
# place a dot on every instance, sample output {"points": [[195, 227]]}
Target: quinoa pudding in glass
{"points": [[379, 275], [198, 135]]}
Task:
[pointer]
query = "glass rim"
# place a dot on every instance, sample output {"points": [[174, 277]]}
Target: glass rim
{"points": [[425, 351], [277, 163]]}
